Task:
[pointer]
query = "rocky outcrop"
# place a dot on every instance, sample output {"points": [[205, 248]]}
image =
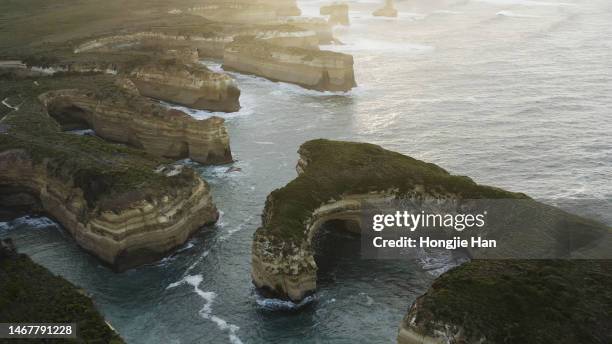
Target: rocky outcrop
{"points": [[338, 14], [194, 87], [341, 177], [125, 206], [312, 69], [125, 228], [474, 303], [388, 10], [531, 301], [321, 27], [283, 256], [30, 293], [119, 116]]}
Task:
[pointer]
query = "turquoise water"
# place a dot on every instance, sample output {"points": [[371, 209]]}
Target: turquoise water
{"points": [[513, 93]]}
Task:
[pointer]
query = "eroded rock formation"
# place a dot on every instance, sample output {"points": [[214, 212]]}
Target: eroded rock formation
{"points": [[337, 178], [388, 10], [119, 203], [194, 87], [283, 257], [246, 11], [127, 118], [312, 69], [338, 14]]}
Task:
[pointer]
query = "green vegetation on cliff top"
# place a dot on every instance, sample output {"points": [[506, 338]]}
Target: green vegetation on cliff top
{"points": [[30, 293], [523, 301], [111, 175], [336, 168]]}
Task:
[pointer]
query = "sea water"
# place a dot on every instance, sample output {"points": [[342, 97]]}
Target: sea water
{"points": [[512, 93]]}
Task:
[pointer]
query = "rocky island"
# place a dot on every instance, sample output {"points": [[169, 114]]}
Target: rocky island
{"points": [[336, 178], [388, 10], [51, 299], [338, 14]]}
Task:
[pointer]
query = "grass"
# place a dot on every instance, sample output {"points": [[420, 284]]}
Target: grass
{"points": [[111, 175], [337, 168], [524, 301], [29, 293]]}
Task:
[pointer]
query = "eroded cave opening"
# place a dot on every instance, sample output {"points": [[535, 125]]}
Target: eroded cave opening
{"points": [[344, 275], [69, 116], [335, 243], [17, 201]]}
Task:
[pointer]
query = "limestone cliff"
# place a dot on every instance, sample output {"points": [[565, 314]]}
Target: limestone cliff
{"points": [[483, 301], [124, 229], [283, 257], [29, 293], [246, 11], [312, 69], [321, 27], [208, 40], [335, 181], [338, 14], [119, 203], [123, 117], [194, 87]]}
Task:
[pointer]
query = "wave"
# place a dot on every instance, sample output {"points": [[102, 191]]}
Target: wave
{"points": [[206, 310], [437, 262], [514, 15], [283, 305], [369, 45], [205, 114], [37, 222], [525, 3]]}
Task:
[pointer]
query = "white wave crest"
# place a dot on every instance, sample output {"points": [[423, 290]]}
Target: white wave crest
{"points": [[206, 310], [514, 15], [283, 305]]}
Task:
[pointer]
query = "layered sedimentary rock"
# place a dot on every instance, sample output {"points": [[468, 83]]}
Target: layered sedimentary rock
{"points": [[194, 87], [338, 14], [51, 299], [473, 303], [321, 27], [388, 10], [246, 11], [119, 203], [335, 181], [312, 69], [124, 228], [127, 118], [208, 40], [283, 257]]}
